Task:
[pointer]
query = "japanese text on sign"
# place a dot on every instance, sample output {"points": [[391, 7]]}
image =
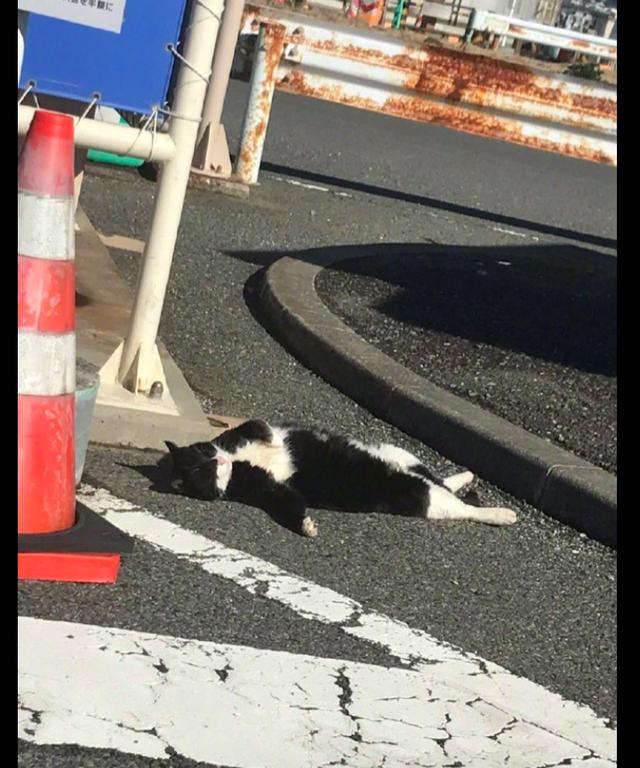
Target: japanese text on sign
{"points": [[101, 14]]}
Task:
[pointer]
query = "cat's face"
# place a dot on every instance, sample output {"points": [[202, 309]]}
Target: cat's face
{"points": [[200, 471]]}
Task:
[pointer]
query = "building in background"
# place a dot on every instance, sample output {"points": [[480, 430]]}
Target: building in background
{"points": [[547, 11], [592, 17], [596, 17]]}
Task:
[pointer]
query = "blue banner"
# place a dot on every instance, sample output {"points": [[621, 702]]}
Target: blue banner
{"points": [[130, 70]]}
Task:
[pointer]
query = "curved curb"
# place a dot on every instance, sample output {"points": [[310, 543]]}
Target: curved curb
{"points": [[557, 482]]}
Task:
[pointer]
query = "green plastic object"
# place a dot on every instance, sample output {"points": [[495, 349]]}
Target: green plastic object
{"points": [[397, 16], [97, 156]]}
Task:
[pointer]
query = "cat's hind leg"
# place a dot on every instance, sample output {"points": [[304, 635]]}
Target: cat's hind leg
{"points": [[406, 462], [443, 505], [455, 483]]}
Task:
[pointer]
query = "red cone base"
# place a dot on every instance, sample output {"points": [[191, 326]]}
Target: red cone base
{"points": [[88, 551], [58, 566]]}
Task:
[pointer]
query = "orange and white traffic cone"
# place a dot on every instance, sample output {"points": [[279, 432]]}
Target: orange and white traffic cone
{"points": [[49, 544], [46, 327]]}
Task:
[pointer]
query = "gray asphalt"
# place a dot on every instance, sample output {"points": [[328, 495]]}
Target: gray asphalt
{"points": [[528, 333], [447, 171], [537, 598]]}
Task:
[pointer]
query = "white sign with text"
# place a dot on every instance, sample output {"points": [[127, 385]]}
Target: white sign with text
{"points": [[101, 14]]}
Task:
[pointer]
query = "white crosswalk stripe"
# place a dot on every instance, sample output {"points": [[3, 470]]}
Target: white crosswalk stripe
{"points": [[447, 708], [151, 695]]}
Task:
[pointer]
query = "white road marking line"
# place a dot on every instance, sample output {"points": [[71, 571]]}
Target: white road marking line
{"points": [[302, 184], [153, 695], [312, 186], [514, 233], [437, 660]]}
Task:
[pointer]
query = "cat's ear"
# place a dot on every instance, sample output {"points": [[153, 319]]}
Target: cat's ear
{"points": [[173, 448]]}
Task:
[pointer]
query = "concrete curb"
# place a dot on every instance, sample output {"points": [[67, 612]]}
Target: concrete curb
{"points": [[557, 482]]}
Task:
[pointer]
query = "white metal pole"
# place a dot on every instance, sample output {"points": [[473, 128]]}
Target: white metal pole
{"points": [[211, 157], [512, 9], [121, 139], [221, 67], [268, 52], [136, 363]]}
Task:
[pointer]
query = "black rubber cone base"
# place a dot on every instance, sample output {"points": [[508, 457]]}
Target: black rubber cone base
{"points": [[91, 533], [89, 551]]}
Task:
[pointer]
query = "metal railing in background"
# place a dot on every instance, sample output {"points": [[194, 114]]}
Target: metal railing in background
{"points": [[542, 34], [475, 93]]}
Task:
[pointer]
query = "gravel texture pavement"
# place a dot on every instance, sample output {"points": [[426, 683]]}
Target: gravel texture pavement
{"points": [[527, 332]]}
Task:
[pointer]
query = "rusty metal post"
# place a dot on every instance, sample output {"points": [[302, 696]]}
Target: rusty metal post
{"points": [[212, 151], [471, 25], [269, 48]]}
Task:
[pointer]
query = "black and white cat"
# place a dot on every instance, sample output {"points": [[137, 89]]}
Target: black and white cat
{"points": [[283, 470]]}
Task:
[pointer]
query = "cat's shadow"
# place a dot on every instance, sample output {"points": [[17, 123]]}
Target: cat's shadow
{"points": [[159, 475]]}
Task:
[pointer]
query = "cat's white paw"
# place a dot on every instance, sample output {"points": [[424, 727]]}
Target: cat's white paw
{"points": [[458, 481], [500, 516], [309, 528]]}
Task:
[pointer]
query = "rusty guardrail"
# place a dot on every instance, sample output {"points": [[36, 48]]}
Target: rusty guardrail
{"points": [[543, 34], [470, 92]]}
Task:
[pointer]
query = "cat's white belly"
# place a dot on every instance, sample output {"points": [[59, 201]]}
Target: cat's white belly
{"points": [[273, 457], [391, 454]]}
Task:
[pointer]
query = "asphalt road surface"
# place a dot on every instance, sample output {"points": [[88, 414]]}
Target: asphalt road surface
{"points": [[327, 643], [528, 333], [447, 171]]}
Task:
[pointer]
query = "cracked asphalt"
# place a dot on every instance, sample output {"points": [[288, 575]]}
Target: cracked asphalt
{"points": [[537, 598]]}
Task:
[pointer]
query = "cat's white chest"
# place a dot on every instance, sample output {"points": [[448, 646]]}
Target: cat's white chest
{"points": [[273, 457]]}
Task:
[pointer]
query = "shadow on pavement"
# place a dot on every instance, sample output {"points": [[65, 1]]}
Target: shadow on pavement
{"points": [[441, 205], [552, 302]]}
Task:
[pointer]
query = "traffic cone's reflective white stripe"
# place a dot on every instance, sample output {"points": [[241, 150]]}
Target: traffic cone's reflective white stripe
{"points": [[53, 235], [46, 363]]}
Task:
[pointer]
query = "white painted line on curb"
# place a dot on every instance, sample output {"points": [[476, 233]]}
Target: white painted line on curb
{"points": [[438, 661], [154, 695]]}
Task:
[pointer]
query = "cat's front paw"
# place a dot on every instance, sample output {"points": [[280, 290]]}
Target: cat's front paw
{"points": [[501, 516], [309, 528]]}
